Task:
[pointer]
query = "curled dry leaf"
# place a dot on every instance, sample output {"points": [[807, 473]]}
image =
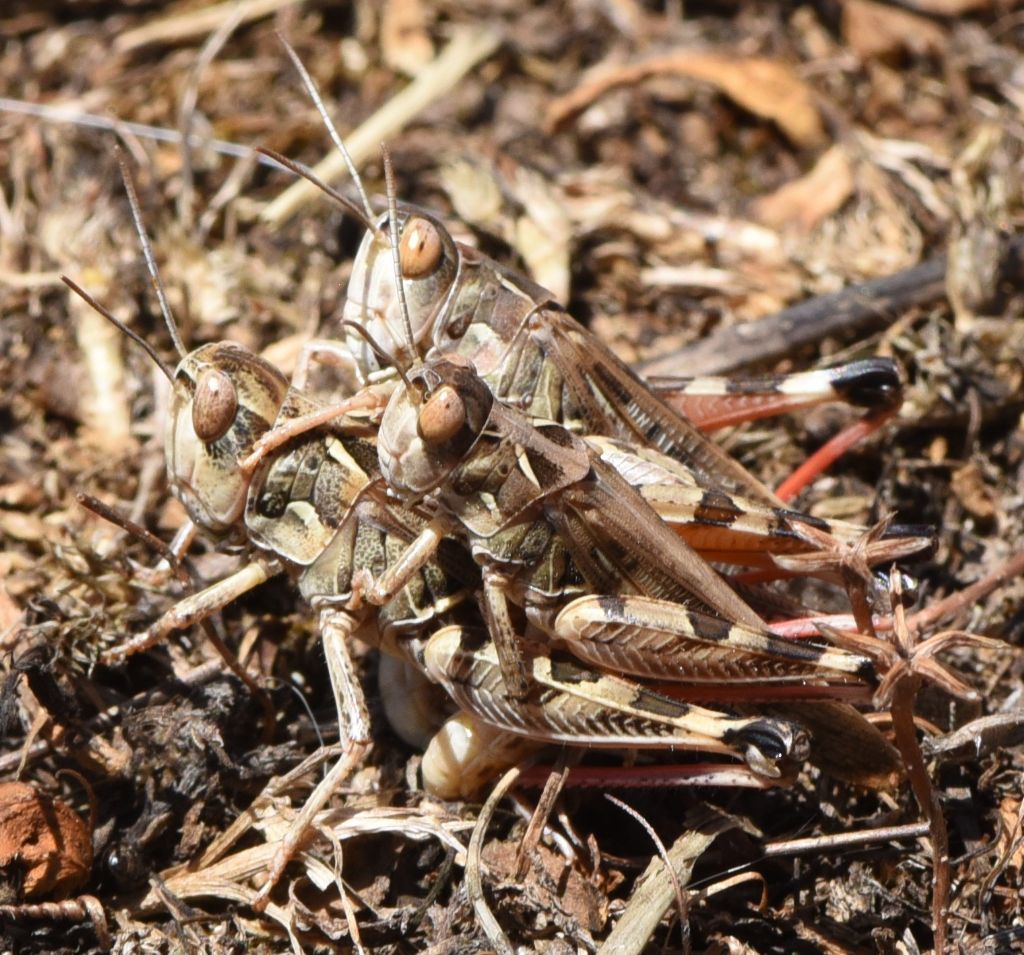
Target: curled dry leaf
{"points": [[45, 841], [875, 30], [765, 87], [804, 202]]}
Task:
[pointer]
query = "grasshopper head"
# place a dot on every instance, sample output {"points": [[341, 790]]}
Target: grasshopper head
{"points": [[224, 399], [428, 260], [429, 427]]}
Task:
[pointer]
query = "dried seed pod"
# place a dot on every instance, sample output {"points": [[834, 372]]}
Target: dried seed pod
{"points": [[45, 846]]}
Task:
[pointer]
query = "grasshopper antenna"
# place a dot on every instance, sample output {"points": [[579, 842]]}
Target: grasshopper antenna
{"points": [[396, 257], [314, 95], [302, 170], [147, 251], [118, 324]]}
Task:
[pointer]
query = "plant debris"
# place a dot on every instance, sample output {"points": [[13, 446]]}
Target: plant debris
{"points": [[685, 184]]}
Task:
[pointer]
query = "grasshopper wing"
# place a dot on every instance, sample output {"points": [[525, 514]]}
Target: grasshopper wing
{"points": [[612, 400]]}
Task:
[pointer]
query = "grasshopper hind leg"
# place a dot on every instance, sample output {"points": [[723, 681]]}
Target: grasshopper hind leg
{"points": [[571, 704]]}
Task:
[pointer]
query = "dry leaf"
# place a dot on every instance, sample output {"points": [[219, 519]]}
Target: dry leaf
{"points": [[10, 613], [875, 30], [21, 494], [1011, 841], [971, 492], [811, 198], [544, 232], [404, 40], [765, 87], [949, 8], [28, 528], [475, 194], [105, 409]]}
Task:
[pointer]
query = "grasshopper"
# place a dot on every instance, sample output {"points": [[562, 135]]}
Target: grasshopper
{"points": [[314, 507], [548, 519], [448, 298], [311, 507], [536, 357]]}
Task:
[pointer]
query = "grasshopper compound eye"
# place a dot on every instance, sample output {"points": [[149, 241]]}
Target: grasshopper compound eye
{"points": [[442, 416], [214, 406], [420, 249]]}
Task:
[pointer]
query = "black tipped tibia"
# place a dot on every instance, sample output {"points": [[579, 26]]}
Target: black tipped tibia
{"points": [[871, 383]]}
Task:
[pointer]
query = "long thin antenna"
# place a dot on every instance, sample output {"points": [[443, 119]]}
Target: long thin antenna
{"points": [[300, 169], [66, 114], [118, 324], [396, 259], [314, 95], [147, 251]]}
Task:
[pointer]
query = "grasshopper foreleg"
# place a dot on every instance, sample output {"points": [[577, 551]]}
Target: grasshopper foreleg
{"points": [[197, 607], [506, 640], [379, 591]]}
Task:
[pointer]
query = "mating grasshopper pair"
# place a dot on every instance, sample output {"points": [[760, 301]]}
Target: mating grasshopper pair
{"points": [[303, 481]]}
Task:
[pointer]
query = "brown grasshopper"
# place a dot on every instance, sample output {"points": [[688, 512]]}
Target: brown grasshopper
{"points": [[537, 358], [448, 298], [310, 506], [548, 519], [312, 509]]}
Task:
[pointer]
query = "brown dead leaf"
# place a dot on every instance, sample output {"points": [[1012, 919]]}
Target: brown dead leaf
{"points": [[576, 896], [767, 88], [875, 30], [949, 8], [804, 202], [44, 839], [1011, 840], [970, 490], [10, 613], [404, 40], [27, 528]]}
